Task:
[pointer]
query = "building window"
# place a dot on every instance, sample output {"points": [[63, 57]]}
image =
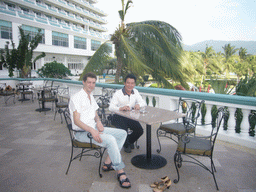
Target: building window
{"points": [[59, 39], [32, 31], [78, 66], [80, 42], [5, 29], [95, 45]]}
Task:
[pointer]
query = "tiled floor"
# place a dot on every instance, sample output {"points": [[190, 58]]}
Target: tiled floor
{"points": [[35, 151]]}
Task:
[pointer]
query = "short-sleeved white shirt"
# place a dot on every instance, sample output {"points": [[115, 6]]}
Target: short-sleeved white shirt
{"points": [[81, 103]]}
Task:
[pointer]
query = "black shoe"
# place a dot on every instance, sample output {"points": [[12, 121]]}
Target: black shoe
{"points": [[127, 149], [132, 146]]}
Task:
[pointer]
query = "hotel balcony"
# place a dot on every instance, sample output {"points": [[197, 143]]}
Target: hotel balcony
{"points": [[35, 149], [52, 10]]}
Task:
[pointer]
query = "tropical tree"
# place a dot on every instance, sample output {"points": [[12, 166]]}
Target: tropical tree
{"points": [[229, 51], [22, 57], [148, 47], [192, 65], [251, 59], [211, 62], [247, 86], [9, 57], [241, 67], [54, 70]]}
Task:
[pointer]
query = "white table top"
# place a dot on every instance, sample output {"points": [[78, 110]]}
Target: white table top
{"points": [[152, 116]]}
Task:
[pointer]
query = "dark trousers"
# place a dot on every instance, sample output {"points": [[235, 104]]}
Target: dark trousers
{"points": [[125, 123]]}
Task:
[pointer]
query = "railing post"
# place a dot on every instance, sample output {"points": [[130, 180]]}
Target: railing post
{"points": [[208, 116], [231, 120], [245, 123]]}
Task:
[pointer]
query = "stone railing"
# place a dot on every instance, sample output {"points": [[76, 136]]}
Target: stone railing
{"points": [[168, 99]]}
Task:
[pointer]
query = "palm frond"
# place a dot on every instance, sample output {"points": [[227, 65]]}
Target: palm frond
{"points": [[132, 57], [99, 60], [159, 52]]}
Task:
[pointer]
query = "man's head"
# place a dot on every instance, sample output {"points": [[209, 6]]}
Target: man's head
{"points": [[129, 83], [89, 82], [90, 74], [130, 76]]}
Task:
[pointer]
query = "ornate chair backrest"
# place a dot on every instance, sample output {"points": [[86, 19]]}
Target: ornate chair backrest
{"points": [[69, 123], [72, 131], [220, 115], [48, 92], [192, 109]]}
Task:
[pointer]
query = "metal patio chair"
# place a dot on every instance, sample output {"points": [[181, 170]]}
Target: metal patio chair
{"points": [[195, 146], [187, 124], [60, 104], [46, 95], [87, 149]]}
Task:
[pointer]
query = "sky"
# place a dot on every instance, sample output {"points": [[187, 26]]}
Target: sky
{"points": [[196, 20]]}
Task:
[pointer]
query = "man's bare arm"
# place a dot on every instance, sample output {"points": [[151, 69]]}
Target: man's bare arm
{"points": [[95, 133]]}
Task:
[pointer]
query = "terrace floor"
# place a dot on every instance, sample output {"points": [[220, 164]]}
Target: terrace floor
{"points": [[35, 151]]}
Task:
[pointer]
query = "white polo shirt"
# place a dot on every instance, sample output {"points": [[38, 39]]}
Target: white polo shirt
{"points": [[121, 99], [81, 103]]}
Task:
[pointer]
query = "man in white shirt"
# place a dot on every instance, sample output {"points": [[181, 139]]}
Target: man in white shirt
{"points": [[83, 111], [127, 99]]}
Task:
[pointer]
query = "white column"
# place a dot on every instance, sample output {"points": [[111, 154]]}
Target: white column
{"points": [[208, 116], [245, 123], [231, 120]]}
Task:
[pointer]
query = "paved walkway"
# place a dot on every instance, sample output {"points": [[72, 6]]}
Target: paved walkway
{"points": [[35, 151]]}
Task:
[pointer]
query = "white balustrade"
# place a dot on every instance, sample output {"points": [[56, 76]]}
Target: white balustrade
{"points": [[170, 103]]}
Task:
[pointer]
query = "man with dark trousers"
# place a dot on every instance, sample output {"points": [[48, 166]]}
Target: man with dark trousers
{"points": [[126, 99]]}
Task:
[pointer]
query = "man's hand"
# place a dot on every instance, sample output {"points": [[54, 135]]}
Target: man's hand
{"points": [[137, 107], [96, 135], [100, 127], [125, 108]]}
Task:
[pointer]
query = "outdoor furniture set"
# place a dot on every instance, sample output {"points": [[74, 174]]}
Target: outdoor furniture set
{"points": [[188, 143]]}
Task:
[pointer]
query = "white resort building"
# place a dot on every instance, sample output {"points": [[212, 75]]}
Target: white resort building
{"points": [[72, 29]]}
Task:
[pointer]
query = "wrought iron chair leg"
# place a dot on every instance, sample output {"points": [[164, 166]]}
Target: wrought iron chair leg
{"points": [[214, 170], [101, 155], [71, 157], [157, 134], [81, 155], [61, 117], [212, 163], [55, 115], [177, 159]]}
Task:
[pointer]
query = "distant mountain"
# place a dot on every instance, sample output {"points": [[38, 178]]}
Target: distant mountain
{"points": [[217, 46]]}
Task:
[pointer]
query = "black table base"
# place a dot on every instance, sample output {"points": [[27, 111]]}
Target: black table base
{"points": [[43, 109], [155, 162], [24, 99]]}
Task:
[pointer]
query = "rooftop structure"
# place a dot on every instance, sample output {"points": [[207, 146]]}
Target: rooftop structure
{"points": [[72, 29]]}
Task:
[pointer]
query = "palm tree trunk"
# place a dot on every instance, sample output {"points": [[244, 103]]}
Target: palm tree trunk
{"points": [[118, 69]]}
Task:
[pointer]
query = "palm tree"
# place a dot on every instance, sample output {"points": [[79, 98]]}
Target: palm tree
{"points": [[242, 53], [9, 57], [241, 67], [211, 61], [149, 47], [25, 51], [229, 51], [21, 58], [192, 65]]}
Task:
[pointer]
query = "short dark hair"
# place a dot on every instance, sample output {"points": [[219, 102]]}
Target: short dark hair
{"points": [[130, 76], [90, 74]]}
